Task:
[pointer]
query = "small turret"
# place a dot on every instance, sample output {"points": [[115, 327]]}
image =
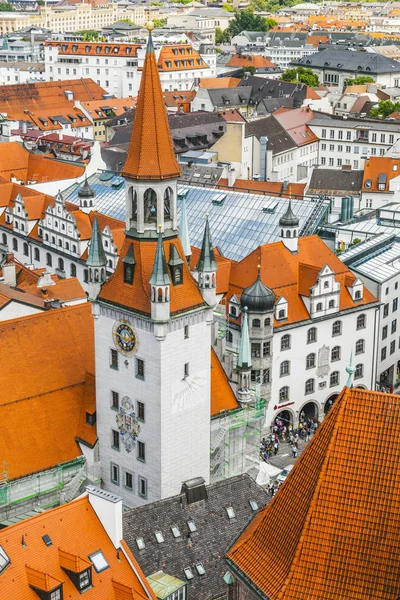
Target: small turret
{"points": [[207, 268], [244, 361], [86, 196], [160, 282], [96, 262], [289, 225]]}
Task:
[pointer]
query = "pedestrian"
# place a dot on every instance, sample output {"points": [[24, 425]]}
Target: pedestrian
{"points": [[308, 436], [276, 448], [294, 451]]}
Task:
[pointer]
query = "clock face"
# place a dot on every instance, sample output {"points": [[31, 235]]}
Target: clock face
{"points": [[125, 338]]}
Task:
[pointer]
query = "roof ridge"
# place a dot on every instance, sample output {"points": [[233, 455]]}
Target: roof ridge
{"points": [[340, 406], [65, 387], [51, 313]]}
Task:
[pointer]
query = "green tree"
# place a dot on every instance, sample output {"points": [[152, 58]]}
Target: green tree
{"points": [[359, 80], [88, 35], [221, 37], [301, 75], [159, 22], [251, 70], [228, 7], [246, 20], [384, 109], [5, 7], [129, 21]]}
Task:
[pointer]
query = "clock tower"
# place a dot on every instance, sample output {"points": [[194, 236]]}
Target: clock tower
{"points": [[152, 327]]}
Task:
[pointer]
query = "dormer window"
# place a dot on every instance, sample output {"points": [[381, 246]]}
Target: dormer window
{"points": [[357, 295], [233, 311]]}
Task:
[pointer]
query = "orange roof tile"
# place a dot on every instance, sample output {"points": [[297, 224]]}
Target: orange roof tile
{"points": [[95, 48], [218, 83], [250, 60], [117, 105], [295, 122], [72, 562], [232, 116], [337, 514], [76, 529], [42, 581], [151, 154], [379, 165], [29, 341], [181, 57], [222, 396], [280, 272], [137, 297]]}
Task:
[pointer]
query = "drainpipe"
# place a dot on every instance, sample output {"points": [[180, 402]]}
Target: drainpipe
{"points": [[263, 157]]}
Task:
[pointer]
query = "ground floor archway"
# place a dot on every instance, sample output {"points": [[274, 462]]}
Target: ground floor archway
{"points": [[285, 417], [329, 403], [308, 411]]}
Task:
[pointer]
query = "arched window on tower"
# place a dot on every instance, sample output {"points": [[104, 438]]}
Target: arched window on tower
{"points": [[133, 202], [168, 194], [150, 205], [288, 234]]}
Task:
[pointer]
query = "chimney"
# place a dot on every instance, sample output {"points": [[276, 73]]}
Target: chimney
{"points": [[194, 490], [24, 127], [231, 177], [263, 157], [10, 273], [45, 280], [60, 134], [108, 508]]}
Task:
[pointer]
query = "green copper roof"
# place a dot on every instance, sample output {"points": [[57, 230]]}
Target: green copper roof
{"points": [[160, 274], [129, 258], [174, 258], [244, 360], [184, 230], [207, 262], [96, 256], [5, 43], [164, 585]]}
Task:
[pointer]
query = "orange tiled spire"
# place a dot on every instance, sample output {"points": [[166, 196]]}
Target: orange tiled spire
{"points": [[151, 154]]}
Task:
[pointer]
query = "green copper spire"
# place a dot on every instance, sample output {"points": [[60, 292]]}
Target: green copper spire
{"points": [[184, 231], [5, 43], [160, 274], [207, 262], [244, 360], [96, 256]]}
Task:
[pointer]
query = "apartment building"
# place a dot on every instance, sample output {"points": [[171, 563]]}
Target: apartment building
{"points": [[118, 67], [351, 142]]}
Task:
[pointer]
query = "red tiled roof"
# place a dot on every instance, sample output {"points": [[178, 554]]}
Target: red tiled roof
{"points": [[137, 296], [332, 530], [150, 153], [270, 188], [95, 49], [380, 165], [280, 272], [222, 396], [74, 529], [250, 60], [232, 116], [218, 83], [171, 58]]}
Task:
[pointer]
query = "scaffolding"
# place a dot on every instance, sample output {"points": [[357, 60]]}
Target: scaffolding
{"points": [[235, 441]]}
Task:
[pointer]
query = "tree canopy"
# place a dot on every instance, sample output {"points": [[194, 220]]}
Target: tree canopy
{"points": [[246, 20], [5, 7], [384, 109], [359, 80], [221, 37], [159, 22], [301, 75]]}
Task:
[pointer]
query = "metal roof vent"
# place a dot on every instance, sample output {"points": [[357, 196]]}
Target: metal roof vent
{"points": [[194, 490]]}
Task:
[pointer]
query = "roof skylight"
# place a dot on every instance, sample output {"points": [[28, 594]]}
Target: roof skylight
{"points": [[140, 543], [4, 559], [192, 526], [175, 531], [200, 569], [188, 573], [99, 562], [253, 504], [159, 537], [231, 512]]}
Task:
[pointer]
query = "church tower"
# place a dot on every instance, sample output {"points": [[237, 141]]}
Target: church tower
{"points": [[152, 331]]}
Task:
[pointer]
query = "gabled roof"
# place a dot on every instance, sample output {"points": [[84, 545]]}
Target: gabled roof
{"points": [[337, 513], [151, 154], [280, 273], [218, 82], [380, 170], [251, 60], [215, 532], [137, 296], [352, 61], [335, 181], [279, 139], [74, 529]]}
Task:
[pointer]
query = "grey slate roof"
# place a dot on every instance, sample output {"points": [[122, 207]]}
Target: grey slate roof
{"points": [[324, 119], [215, 533], [278, 139], [349, 61], [262, 88], [230, 96], [335, 181]]}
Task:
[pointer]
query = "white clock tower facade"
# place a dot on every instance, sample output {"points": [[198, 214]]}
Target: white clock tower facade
{"points": [[152, 329]]}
